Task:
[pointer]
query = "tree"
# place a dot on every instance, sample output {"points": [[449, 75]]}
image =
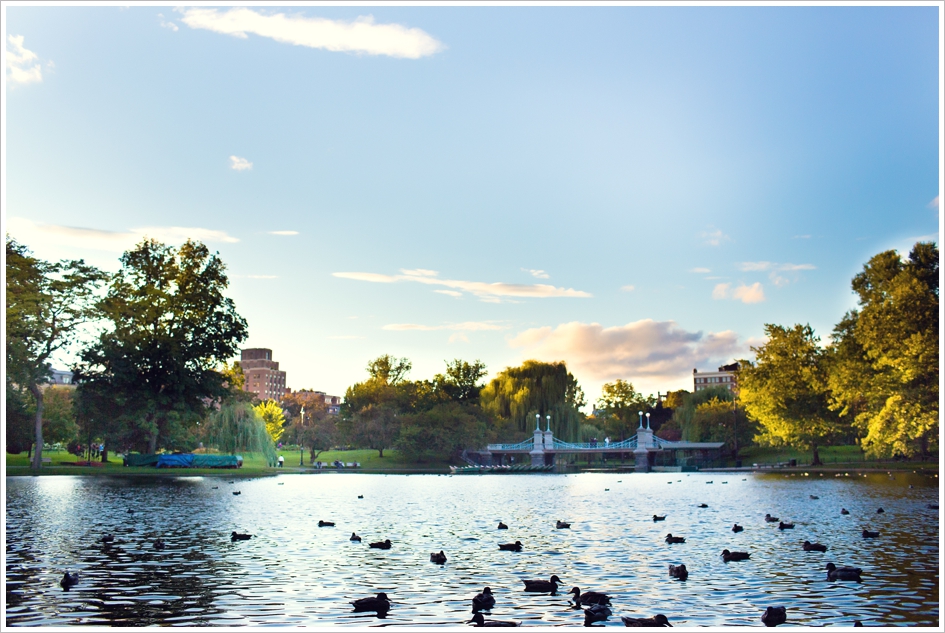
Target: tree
{"points": [[884, 359], [272, 415], [461, 381], [519, 393], [442, 432], [718, 420], [619, 406], [47, 307], [236, 426], [317, 430], [375, 427], [786, 391], [58, 417], [169, 327]]}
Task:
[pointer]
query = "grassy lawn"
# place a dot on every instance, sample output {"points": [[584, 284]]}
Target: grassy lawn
{"points": [[839, 455]]}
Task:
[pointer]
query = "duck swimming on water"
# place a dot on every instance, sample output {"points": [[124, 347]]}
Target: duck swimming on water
{"points": [[657, 620], [771, 519], [679, 572], [561, 525], [511, 547], [658, 518], [479, 620], [69, 581], [502, 526], [868, 534], [736, 556], [236, 536], [439, 559], [596, 613], [483, 601], [785, 526], [380, 604], [325, 523], [591, 597], [773, 616], [675, 539], [385, 544], [814, 547], [542, 586], [737, 528], [355, 537], [843, 573]]}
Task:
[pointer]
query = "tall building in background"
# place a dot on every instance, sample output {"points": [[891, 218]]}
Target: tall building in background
{"points": [[726, 376], [262, 374]]}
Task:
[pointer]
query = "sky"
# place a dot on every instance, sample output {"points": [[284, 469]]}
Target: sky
{"points": [[634, 190]]}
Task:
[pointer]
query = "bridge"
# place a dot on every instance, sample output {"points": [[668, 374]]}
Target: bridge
{"points": [[543, 447]]}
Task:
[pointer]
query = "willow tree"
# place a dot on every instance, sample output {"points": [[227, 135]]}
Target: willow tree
{"points": [[517, 394], [237, 427], [272, 415]]}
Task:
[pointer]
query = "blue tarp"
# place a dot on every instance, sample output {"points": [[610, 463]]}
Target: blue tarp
{"points": [[217, 461], [185, 460]]}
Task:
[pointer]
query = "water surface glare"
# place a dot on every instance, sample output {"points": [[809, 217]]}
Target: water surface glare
{"points": [[293, 573]]}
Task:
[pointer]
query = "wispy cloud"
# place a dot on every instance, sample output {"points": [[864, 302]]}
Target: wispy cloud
{"points": [[762, 266], [934, 204], [30, 232], [489, 292], [23, 65], [283, 232], [628, 288], [451, 293], [656, 350], [700, 270], [715, 237], [540, 274], [746, 294], [466, 326], [166, 23], [240, 164], [361, 35]]}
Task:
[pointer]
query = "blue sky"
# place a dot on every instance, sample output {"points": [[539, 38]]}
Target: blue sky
{"points": [[634, 190]]}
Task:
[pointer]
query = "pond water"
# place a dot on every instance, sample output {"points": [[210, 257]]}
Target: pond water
{"points": [[294, 573]]}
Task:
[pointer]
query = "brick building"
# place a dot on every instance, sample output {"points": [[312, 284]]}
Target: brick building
{"points": [[726, 376], [262, 374]]}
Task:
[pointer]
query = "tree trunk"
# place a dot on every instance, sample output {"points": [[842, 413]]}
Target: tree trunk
{"points": [[380, 452], [152, 443], [104, 455], [816, 461], [38, 455]]}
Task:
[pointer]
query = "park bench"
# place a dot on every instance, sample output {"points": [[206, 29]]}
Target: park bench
{"points": [[46, 460]]}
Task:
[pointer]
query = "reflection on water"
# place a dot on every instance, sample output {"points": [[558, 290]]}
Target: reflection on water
{"points": [[295, 573]]}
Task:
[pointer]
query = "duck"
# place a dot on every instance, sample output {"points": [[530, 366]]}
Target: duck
{"points": [[380, 604], [868, 534], [69, 581], [857, 623], [108, 538], [479, 620], [360, 496], [542, 586], [596, 613], [483, 601], [814, 547], [675, 539], [325, 523], [812, 497], [385, 544], [159, 545], [657, 620], [130, 511], [679, 572], [729, 556], [773, 616], [771, 519], [591, 597], [843, 573], [844, 511], [237, 492], [932, 506], [439, 559], [658, 518], [215, 488], [879, 511], [502, 526], [236, 536], [785, 526], [355, 537], [561, 525], [703, 505], [511, 547], [737, 528]]}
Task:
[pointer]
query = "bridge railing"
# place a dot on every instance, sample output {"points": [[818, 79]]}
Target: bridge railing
{"points": [[527, 445], [596, 446]]}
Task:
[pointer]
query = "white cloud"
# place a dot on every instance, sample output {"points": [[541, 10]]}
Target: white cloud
{"points": [[627, 288], [360, 35], [283, 232], [23, 65], [488, 292], [451, 293], [654, 350], [167, 24], [700, 270], [240, 164], [466, 326], [761, 266], [746, 294], [33, 233], [540, 274], [715, 237], [796, 267], [934, 204]]}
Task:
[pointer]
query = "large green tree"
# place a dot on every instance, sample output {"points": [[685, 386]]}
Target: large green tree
{"points": [[170, 326], [619, 406], [884, 359], [519, 393], [786, 390], [48, 305], [442, 432]]}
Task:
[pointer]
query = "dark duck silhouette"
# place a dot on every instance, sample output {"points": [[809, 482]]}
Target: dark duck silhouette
{"points": [[844, 511], [785, 526], [237, 492], [880, 511], [589, 598], [325, 523], [736, 556], [479, 620], [439, 559], [511, 547], [737, 528], [679, 572], [360, 496], [380, 604], [773, 616], [236, 536], [843, 573], [812, 497], [107, 539], [502, 526], [657, 620], [355, 537], [69, 581], [771, 519], [814, 547], [932, 506], [675, 539], [656, 518], [159, 545], [703, 505], [561, 525], [385, 544], [483, 601], [868, 534], [542, 586], [596, 613]]}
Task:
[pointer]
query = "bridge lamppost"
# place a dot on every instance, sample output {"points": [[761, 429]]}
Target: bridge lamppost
{"points": [[537, 421], [641, 419], [548, 426], [648, 419], [301, 424]]}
